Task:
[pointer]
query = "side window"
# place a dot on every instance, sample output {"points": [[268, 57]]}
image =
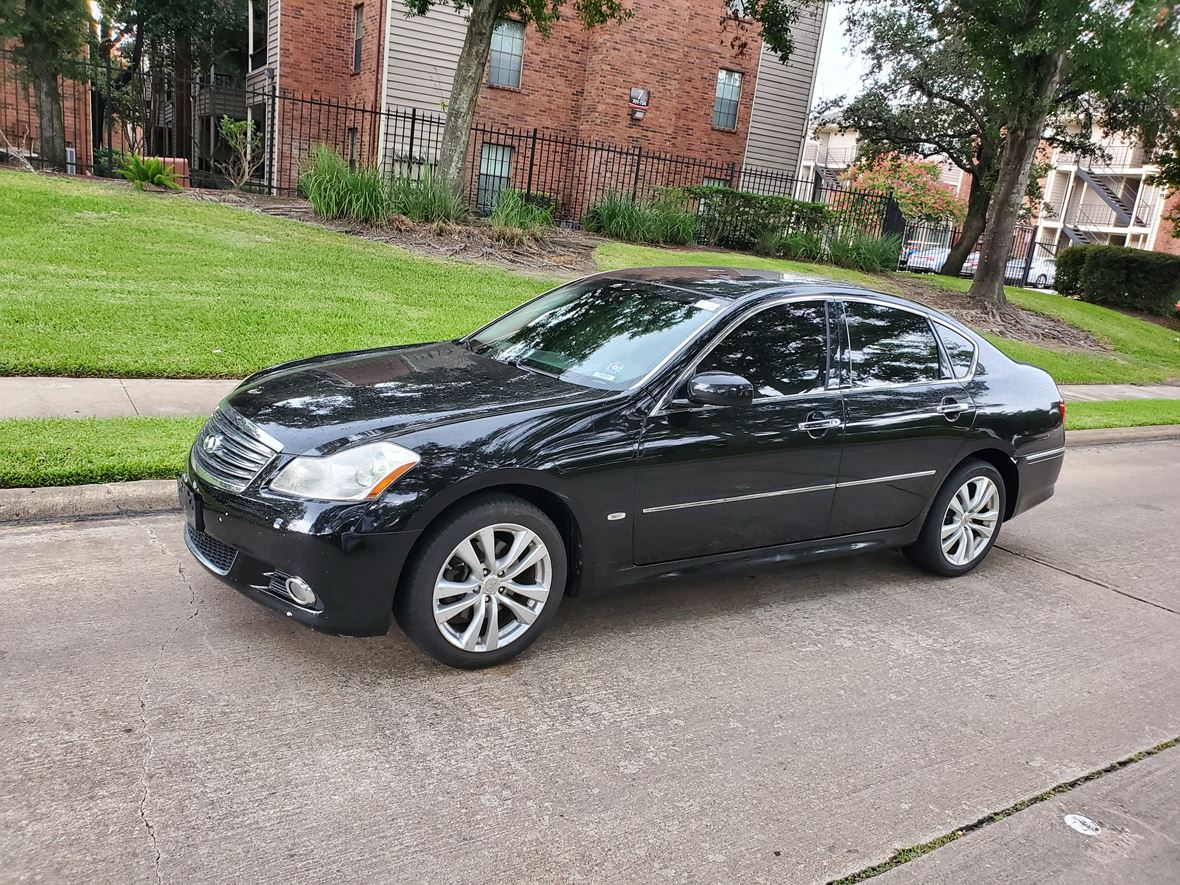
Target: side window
{"points": [[889, 346], [780, 350], [960, 350]]}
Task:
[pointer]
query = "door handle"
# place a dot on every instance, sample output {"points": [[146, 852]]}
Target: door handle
{"points": [[820, 424], [953, 408]]}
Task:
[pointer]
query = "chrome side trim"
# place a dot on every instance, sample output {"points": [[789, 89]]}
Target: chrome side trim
{"points": [[775, 494], [799, 491], [1045, 456], [876, 479]]}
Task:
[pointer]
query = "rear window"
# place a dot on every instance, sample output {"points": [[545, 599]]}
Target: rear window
{"points": [[890, 346], [960, 350]]}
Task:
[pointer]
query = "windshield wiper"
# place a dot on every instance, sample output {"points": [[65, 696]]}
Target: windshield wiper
{"points": [[519, 362]]}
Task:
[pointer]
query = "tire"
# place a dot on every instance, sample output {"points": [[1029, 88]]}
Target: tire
{"points": [[928, 552], [1042, 282], [459, 641]]}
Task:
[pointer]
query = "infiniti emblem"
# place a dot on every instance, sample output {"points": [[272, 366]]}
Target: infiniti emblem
{"points": [[211, 442]]}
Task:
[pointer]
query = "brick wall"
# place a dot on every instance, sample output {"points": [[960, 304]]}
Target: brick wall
{"points": [[1164, 241], [577, 81]]}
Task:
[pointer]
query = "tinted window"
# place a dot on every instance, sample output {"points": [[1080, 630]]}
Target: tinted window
{"points": [[959, 349], [599, 332], [779, 350], [890, 346]]}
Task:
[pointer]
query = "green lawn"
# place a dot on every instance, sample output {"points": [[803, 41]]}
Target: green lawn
{"points": [[1144, 353], [70, 451], [1122, 413], [97, 279]]}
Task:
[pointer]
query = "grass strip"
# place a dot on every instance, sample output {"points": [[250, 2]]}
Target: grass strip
{"points": [[1121, 413], [72, 451]]}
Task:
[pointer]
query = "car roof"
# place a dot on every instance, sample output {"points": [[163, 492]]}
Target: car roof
{"points": [[738, 284]]}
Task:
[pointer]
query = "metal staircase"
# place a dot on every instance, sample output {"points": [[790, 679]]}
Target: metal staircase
{"points": [[1121, 202]]}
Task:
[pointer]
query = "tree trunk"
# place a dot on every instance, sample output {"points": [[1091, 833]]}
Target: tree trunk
{"points": [[1022, 138], [452, 160], [182, 100], [973, 226], [51, 127]]}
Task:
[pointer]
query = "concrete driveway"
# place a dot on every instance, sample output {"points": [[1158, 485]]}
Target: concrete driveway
{"points": [[791, 726]]}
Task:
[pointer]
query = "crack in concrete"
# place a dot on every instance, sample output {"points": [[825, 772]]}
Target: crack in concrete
{"points": [[1088, 580], [903, 856], [145, 793]]}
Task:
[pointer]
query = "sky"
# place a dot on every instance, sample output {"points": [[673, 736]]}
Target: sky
{"points": [[840, 70]]}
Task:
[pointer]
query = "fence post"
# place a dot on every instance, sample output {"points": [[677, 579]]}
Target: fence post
{"points": [[732, 173], [109, 164], [635, 184], [532, 162], [413, 126], [273, 108], [1028, 259]]}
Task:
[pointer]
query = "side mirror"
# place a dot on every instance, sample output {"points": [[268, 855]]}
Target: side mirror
{"points": [[720, 389]]}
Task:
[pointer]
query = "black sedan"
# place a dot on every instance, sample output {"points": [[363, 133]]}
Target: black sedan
{"points": [[624, 427]]}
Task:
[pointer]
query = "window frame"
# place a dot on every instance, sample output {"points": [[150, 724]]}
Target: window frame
{"points": [[737, 100], [358, 36], [519, 59], [480, 175]]}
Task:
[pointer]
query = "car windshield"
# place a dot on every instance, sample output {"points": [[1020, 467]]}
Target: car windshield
{"points": [[605, 333]]}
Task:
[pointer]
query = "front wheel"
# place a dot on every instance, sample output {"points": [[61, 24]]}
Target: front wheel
{"points": [[484, 584], [963, 523], [1042, 282]]}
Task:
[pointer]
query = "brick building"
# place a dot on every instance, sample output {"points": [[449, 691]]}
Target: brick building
{"points": [[714, 92]]}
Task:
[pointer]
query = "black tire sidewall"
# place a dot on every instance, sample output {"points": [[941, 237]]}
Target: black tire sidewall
{"points": [[414, 602], [926, 552]]}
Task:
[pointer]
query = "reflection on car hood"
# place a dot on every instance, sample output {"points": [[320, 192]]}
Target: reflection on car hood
{"points": [[314, 403]]}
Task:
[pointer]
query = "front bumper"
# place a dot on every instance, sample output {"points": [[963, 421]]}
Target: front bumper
{"points": [[253, 546]]}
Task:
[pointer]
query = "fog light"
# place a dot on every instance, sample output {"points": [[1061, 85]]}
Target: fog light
{"points": [[300, 591]]}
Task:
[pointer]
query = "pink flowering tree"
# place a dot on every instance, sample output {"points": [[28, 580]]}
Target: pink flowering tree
{"points": [[913, 183]]}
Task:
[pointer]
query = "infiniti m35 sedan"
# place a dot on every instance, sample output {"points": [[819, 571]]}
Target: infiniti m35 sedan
{"points": [[627, 426]]}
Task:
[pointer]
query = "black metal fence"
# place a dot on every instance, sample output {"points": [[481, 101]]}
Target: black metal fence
{"points": [[107, 110], [926, 246]]}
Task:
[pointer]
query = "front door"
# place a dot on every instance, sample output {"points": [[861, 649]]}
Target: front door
{"points": [[714, 480], [906, 418]]}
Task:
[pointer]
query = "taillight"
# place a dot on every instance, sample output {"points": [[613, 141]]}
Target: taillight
{"points": [[1061, 409]]}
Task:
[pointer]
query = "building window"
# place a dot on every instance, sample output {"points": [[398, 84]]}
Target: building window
{"points": [[495, 174], [715, 182], [256, 33], [737, 9], [507, 54], [726, 99], [352, 139], [358, 32]]}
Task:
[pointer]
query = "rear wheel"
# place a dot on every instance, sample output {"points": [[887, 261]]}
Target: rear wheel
{"points": [[1042, 282], [484, 584], [963, 523]]}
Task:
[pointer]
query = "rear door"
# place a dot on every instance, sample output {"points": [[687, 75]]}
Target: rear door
{"points": [[906, 417], [714, 480]]}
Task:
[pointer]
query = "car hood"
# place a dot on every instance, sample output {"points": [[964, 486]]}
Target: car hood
{"points": [[325, 402]]}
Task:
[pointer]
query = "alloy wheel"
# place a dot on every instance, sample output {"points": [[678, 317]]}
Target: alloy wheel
{"points": [[492, 587], [970, 520]]}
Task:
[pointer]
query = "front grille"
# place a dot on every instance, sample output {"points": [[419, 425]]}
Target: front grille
{"points": [[216, 556], [230, 451]]}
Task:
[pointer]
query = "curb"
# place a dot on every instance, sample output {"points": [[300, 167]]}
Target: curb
{"points": [[1116, 435], [98, 501], [112, 499]]}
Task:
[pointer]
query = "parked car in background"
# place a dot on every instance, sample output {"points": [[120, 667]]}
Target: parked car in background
{"points": [[927, 260], [1041, 274], [628, 426], [970, 265]]}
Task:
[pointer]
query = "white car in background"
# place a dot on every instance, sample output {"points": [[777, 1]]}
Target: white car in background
{"points": [[927, 260], [1041, 274]]}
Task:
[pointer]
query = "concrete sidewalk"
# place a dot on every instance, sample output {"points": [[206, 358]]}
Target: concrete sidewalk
{"points": [[33, 397]]}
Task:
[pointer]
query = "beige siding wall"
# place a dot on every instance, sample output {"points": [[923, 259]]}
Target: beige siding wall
{"points": [[782, 99], [423, 52]]}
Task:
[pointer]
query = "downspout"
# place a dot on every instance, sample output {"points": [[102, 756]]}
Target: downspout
{"points": [[383, 82]]}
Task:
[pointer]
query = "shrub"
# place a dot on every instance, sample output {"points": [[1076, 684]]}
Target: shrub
{"points": [[324, 180], [108, 161], [426, 199], [739, 220], [517, 216], [244, 138], [863, 251], [662, 219], [1068, 279], [1122, 277], [801, 245], [141, 171]]}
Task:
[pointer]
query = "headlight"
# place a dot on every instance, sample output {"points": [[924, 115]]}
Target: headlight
{"points": [[352, 475]]}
